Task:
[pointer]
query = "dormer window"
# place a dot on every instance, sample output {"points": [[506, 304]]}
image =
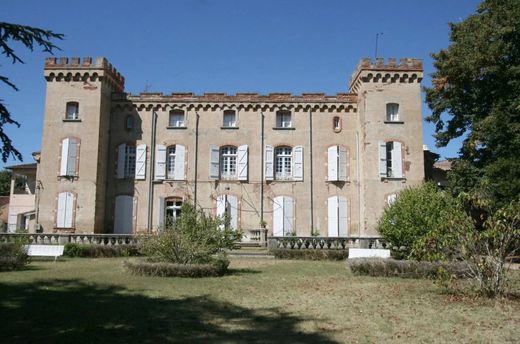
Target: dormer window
{"points": [[283, 119], [230, 119], [176, 119], [72, 111], [392, 112]]}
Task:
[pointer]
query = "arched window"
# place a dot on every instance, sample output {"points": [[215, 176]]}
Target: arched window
{"points": [[337, 215], [126, 161], [72, 111], [392, 112], [228, 162], [227, 206], [283, 216], [170, 162]]}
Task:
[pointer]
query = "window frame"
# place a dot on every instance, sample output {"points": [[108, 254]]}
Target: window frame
{"points": [[391, 117], [171, 155], [285, 161], [228, 161], [337, 128], [75, 117], [234, 122], [129, 170], [280, 116], [177, 124], [175, 207]]}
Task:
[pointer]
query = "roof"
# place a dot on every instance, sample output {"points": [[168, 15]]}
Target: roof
{"points": [[21, 166], [443, 165]]}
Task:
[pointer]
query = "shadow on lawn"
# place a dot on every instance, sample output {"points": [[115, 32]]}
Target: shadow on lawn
{"points": [[65, 311]]}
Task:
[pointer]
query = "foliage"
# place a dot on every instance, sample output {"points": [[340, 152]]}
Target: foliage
{"points": [[416, 212], [99, 251], [13, 255], [308, 254], [217, 267], [476, 96], [29, 37], [192, 239], [379, 267]]}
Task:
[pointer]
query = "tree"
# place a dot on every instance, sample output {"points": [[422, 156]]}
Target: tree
{"points": [[5, 182], [476, 95], [30, 37]]}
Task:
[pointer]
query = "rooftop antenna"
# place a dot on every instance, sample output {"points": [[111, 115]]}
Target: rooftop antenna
{"points": [[377, 41], [146, 87]]}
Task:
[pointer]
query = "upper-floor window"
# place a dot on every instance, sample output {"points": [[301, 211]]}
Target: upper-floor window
{"points": [[283, 119], [129, 161], [177, 119], [390, 159], [126, 161], [72, 111], [392, 112], [69, 163], [228, 161], [230, 119], [129, 122], [170, 162], [283, 162], [336, 124], [337, 164]]}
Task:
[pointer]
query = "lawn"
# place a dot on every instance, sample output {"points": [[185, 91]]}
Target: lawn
{"points": [[262, 301]]}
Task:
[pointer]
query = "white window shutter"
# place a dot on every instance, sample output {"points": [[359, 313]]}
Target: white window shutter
{"points": [[180, 158], [288, 215], [278, 204], [298, 163], [60, 214], [69, 210], [397, 163], [72, 155], [221, 207], [214, 162], [242, 158], [140, 162], [332, 163], [233, 204], [269, 163], [64, 156], [160, 162], [342, 217], [121, 157], [332, 216], [160, 212], [382, 159], [343, 164], [390, 199]]}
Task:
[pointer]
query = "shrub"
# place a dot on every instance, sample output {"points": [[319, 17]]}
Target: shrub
{"points": [[415, 213], [379, 267], [217, 267], [306, 254], [13, 256], [99, 251], [194, 238]]}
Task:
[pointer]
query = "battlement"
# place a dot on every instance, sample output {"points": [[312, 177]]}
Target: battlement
{"points": [[82, 66], [402, 71]]}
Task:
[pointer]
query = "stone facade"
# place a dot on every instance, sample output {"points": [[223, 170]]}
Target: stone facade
{"points": [[113, 167]]}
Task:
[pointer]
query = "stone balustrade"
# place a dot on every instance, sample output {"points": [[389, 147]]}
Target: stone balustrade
{"points": [[325, 243], [62, 239]]}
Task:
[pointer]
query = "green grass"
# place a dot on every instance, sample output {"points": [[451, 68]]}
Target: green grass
{"points": [[262, 301]]}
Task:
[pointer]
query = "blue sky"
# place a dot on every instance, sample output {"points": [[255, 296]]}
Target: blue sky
{"points": [[224, 46]]}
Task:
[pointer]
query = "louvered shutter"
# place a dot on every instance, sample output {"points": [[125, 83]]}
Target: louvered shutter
{"points": [[288, 215], [214, 162], [332, 163], [221, 207], [64, 156], [60, 214], [72, 155], [342, 216], [160, 162], [121, 158], [242, 158], [298, 163], [397, 163], [332, 215], [140, 162], [69, 209], [160, 212], [343, 164], [233, 211], [278, 204], [268, 162], [382, 159], [180, 157]]}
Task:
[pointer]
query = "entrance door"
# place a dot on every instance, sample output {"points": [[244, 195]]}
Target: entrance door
{"points": [[124, 215]]}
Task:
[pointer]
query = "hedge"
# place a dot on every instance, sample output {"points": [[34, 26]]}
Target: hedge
{"points": [[380, 267], [100, 251], [308, 254], [144, 267], [13, 256]]}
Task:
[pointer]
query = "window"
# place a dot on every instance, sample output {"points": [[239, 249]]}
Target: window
{"points": [[230, 120], [337, 216], [283, 216], [336, 124], [126, 161], [283, 119], [228, 169], [390, 199], [130, 162], [390, 159], [283, 162], [392, 112], [176, 119], [72, 111], [69, 157], [65, 211], [129, 122], [170, 162], [172, 210], [337, 164], [227, 206]]}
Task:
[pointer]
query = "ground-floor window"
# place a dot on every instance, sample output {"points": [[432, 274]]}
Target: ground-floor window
{"points": [[227, 206], [172, 210], [65, 210], [283, 216], [124, 215], [337, 216]]}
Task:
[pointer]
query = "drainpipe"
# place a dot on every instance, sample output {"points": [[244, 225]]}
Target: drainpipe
{"points": [[311, 183], [152, 171], [358, 157], [262, 170], [196, 158]]}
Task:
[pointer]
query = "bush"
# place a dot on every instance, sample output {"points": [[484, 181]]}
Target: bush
{"points": [[99, 251], [217, 267], [286, 253], [379, 267], [13, 256], [415, 213], [194, 238]]}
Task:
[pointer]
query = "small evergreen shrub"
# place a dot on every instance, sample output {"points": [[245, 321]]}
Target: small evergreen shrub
{"points": [[99, 251], [379, 267], [217, 267], [307, 254], [13, 256]]}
